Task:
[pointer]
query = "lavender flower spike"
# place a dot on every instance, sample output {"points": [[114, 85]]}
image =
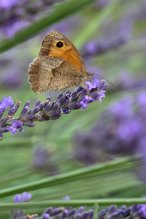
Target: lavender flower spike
{"points": [[112, 212], [48, 110], [94, 48], [24, 197]]}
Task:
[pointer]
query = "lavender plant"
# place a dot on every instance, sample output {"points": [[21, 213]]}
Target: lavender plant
{"points": [[137, 211], [120, 130], [94, 48], [19, 14], [48, 110], [112, 212]]}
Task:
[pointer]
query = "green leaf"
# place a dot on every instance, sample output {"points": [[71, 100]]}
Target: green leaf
{"points": [[75, 203], [68, 177]]}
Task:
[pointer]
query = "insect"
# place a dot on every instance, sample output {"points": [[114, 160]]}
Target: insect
{"points": [[58, 65]]}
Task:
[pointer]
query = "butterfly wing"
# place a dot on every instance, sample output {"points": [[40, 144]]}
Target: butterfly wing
{"points": [[65, 76], [57, 68], [52, 73], [40, 73]]}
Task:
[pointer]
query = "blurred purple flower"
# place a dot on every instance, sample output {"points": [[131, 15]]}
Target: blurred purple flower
{"points": [[41, 161], [13, 26], [138, 211], [17, 214], [120, 130], [49, 110], [127, 81], [101, 3], [17, 198], [11, 80], [24, 197], [66, 198], [97, 47], [91, 47], [7, 4], [40, 158], [111, 212], [5, 103], [46, 216], [15, 15]]}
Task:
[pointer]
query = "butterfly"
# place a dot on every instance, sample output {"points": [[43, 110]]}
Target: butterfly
{"points": [[58, 65]]}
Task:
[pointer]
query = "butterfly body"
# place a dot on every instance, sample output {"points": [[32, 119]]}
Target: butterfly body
{"points": [[58, 65]]}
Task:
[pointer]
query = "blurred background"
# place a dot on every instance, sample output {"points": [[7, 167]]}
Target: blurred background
{"points": [[111, 37]]}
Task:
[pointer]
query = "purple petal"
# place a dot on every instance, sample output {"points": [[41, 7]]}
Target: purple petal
{"points": [[17, 198], [26, 196]]}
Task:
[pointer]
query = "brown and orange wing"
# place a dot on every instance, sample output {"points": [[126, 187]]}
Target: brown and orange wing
{"points": [[48, 73], [57, 68], [68, 53]]}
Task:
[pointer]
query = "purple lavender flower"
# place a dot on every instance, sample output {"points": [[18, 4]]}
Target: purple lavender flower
{"points": [[41, 161], [93, 84], [17, 214], [46, 216], [111, 212], [49, 110], [15, 14], [85, 101], [127, 81], [24, 197], [138, 211], [16, 25], [97, 47], [17, 198], [6, 4], [11, 80], [67, 213], [16, 125], [5, 103], [120, 130], [41, 157]]}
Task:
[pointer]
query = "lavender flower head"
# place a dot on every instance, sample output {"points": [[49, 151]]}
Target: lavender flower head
{"points": [[24, 197], [15, 14], [6, 4], [123, 212], [111, 212], [48, 110], [120, 130], [98, 47], [41, 161]]}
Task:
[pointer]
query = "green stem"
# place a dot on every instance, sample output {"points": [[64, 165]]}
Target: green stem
{"points": [[96, 208], [66, 177], [76, 203], [60, 11]]}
